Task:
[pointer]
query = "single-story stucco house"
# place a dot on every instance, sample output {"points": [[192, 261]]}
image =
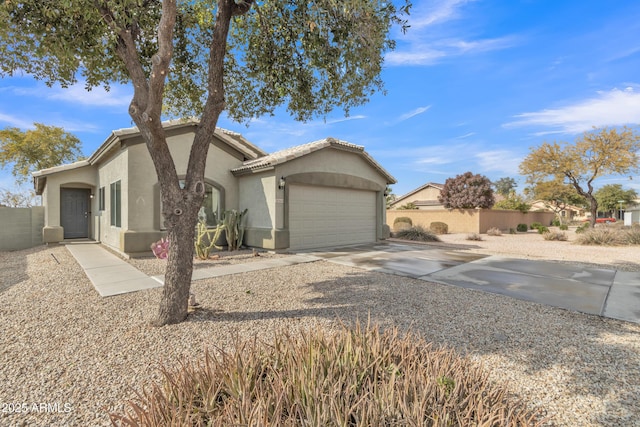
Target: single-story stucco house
{"points": [[320, 194], [424, 197]]}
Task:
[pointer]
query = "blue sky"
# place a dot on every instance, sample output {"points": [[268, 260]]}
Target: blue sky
{"points": [[471, 86]]}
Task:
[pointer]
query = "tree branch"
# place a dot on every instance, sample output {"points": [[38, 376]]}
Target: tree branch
{"points": [[215, 103], [126, 50], [160, 61]]}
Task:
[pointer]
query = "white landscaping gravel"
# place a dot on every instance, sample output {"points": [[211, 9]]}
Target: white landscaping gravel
{"points": [[64, 345]]}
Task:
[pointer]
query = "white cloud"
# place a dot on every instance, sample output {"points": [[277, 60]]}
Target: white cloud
{"points": [[67, 125], [413, 113], [433, 161], [432, 51], [118, 96], [498, 161], [613, 108], [441, 11], [346, 119], [15, 121], [466, 135], [424, 45]]}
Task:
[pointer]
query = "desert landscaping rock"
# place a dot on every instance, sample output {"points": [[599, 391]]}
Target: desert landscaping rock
{"points": [[83, 355]]}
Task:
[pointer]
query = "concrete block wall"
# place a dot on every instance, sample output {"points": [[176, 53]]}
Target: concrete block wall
{"points": [[471, 220], [21, 228]]}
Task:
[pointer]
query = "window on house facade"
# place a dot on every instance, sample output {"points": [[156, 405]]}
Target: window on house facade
{"points": [[116, 207], [211, 204], [101, 199]]}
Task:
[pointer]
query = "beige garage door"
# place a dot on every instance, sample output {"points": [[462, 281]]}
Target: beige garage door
{"points": [[327, 216]]}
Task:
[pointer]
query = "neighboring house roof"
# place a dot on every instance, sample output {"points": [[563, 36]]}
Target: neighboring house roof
{"points": [[546, 205], [427, 203], [282, 156], [114, 140], [417, 190]]}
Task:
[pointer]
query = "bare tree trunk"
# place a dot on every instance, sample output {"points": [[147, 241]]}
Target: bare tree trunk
{"points": [[183, 204], [177, 279], [180, 205]]}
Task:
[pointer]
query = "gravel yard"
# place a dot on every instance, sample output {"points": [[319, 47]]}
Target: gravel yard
{"points": [[83, 355]]}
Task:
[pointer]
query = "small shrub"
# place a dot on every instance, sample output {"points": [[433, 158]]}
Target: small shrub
{"points": [[404, 219], [417, 234], [564, 227], [555, 235], [542, 229], [582, 228], [535, 225], [513, 231], [402, 223], [603, 236], [439, 227], [407, 207], [494, 231], [359, 376], [474, 236], [522, 228], [555, 222], [632, 236]]}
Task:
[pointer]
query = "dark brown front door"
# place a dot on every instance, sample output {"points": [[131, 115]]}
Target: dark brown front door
{"points": [[74, 212]]}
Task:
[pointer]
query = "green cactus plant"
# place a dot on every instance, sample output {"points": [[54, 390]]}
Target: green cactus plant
{"points": [[206, 238], [233, 224]]}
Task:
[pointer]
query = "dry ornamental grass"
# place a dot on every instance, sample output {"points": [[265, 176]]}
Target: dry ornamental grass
{"points": [[353, 377]]}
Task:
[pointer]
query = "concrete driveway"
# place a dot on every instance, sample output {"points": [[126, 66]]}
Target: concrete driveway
{"points": [[604, 292]]}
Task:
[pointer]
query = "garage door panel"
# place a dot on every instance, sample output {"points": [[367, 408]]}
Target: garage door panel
{"points": [[326, 216]]}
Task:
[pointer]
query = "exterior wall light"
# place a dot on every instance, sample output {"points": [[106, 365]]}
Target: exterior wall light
{"points": [[281, 183]]}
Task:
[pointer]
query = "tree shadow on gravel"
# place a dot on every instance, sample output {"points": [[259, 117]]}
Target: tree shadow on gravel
{"points": [[575, 355], [13, 266], [568, 357]]}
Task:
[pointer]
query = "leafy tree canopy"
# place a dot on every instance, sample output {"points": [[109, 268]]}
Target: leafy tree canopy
{"points": [[35, 149], [408, 206], [556, 196], [17, 199], [595, 154], [312, 56], [556, 193], [610, 195], [199, 58], [505, 186], [513, 202], [467, 191]]}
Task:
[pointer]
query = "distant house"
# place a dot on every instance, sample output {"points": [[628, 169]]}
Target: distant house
{"points": [[570, 212], [424, 197], [324, 193]]}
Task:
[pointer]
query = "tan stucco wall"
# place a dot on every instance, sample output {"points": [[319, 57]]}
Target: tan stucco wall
{"points": [[144, 193], [334, 161], [21, 227], [260, 195], [83, 177], [471, 220], [267, 224], [110, 171], [132, 165], [336, 168]]}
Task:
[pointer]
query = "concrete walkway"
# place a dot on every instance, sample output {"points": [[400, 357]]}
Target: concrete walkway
{"points": [[603, 292], [111, 275]]}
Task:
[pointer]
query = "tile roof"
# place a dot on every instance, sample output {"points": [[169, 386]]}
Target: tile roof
{"points": [[422, 187], [298, 151]]}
